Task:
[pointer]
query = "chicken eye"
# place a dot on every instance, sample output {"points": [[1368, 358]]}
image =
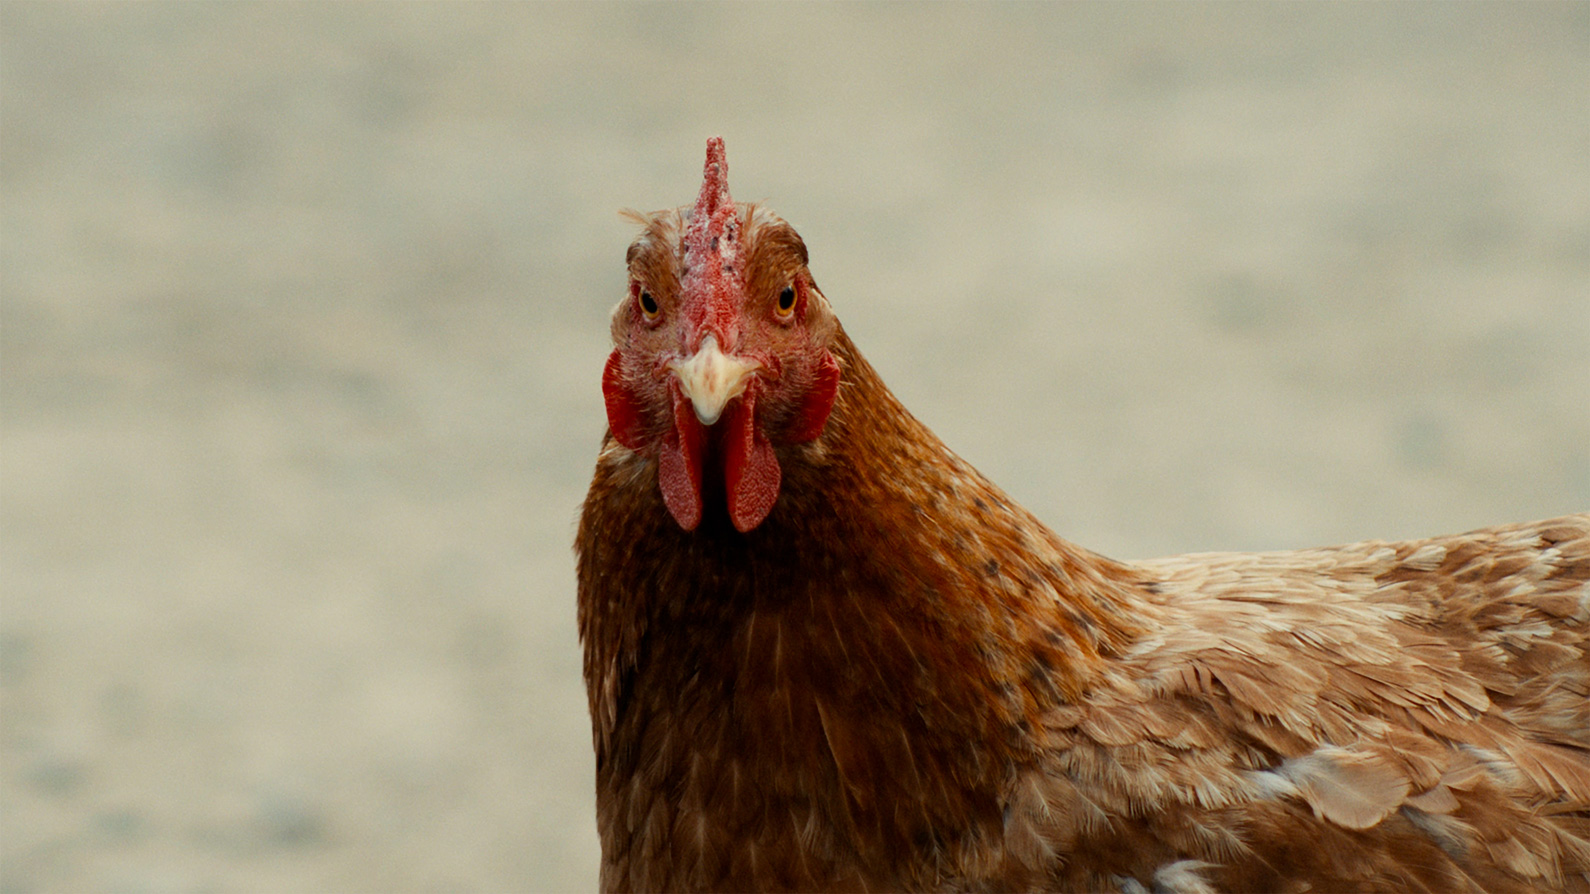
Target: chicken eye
{"points": [[648, 305], [786, 301]]}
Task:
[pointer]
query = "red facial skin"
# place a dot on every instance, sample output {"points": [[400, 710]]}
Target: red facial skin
{"points": [[728, 279]]}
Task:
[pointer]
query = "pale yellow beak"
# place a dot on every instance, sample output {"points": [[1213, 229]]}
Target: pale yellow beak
{"points": [[711, 378]]}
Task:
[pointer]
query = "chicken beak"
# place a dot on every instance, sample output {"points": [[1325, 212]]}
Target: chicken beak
{"points": [[711, 378]]}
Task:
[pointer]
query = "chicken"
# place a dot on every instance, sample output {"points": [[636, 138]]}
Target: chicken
{"points": [[823, 653]]}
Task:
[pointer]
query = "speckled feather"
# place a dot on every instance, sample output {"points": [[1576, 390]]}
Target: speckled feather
{"points": [[901, 680]]}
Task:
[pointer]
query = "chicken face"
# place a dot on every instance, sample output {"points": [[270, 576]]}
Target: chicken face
{"points": [[721, 353]]}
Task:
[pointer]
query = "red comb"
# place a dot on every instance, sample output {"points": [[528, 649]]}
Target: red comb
{"points": [[714, 186], [714, 280]]}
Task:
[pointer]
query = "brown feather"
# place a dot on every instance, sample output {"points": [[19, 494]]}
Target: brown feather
{"points": [[902, 680]]}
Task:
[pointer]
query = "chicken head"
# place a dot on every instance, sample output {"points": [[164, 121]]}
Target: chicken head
{"points": [[720, 353]]}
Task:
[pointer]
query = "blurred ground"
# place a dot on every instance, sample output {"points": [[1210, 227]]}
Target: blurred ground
{"points": [[304, 310]]}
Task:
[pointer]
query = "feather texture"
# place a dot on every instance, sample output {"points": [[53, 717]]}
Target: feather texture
{"points": [[901, 680]]}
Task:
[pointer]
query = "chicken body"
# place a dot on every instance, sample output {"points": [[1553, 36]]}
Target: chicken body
{"points": [[896, 678]]}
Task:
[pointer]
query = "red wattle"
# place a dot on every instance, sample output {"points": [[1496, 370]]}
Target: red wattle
{"points": [[679, 465], [623, 406], [818, 402], [750, 469]]}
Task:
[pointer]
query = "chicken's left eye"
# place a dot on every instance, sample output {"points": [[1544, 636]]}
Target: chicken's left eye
{"points": [[786, 301], [648, 305]]}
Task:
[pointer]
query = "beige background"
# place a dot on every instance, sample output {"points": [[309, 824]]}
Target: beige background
{"points": [[305, 309]]}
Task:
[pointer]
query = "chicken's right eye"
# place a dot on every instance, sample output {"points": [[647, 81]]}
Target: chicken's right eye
{"points": [[648, 305]]}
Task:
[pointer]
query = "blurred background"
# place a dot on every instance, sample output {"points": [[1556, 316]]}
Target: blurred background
{"points": [[304, 314]]}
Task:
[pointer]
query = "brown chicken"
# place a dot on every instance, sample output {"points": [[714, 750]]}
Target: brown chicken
{"points": [[824, 653]]}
